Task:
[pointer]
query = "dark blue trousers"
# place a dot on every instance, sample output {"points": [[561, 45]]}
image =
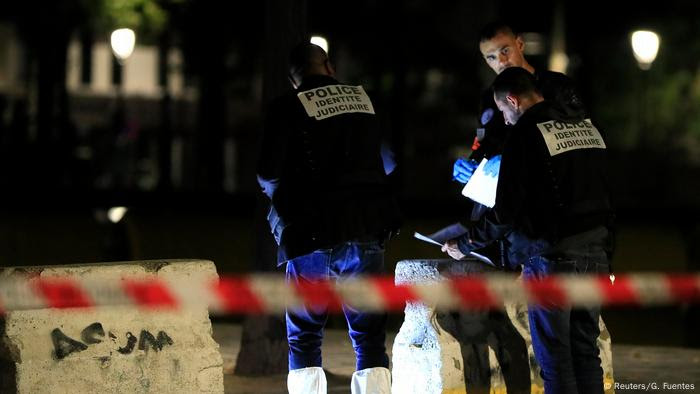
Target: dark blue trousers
{"points": [[564, 339], [305, 325]]}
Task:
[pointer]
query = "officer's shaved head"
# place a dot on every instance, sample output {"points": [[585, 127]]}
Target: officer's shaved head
{"points": [[495, 28], [308, 59], [515, 81], [502, 47], [514, 91]]}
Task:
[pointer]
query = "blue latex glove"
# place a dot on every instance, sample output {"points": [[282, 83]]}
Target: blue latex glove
{"points": [[463, 170], [388, 159], [268, 185], [492, 166]]}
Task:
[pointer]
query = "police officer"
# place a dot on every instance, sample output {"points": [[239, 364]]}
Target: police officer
{"points": [[331, 210], [553, 208], [503, 47]]}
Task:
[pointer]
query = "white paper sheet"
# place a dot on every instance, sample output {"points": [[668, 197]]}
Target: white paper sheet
{"points": [[481, 186], [450, 232]]}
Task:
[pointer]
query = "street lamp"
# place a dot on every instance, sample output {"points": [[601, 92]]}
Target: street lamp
{"points": [[645, 45], [123, 41]]}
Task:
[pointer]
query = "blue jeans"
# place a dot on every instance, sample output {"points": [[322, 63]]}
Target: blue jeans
{"points": [[305, 325], [564, 339]]}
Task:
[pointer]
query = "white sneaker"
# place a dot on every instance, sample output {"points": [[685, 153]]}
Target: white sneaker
{"points": [[309, 380], [371, 381]]}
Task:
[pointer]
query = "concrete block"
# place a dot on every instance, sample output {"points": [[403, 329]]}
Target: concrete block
{"points": [[467, 351], [111, 349]]}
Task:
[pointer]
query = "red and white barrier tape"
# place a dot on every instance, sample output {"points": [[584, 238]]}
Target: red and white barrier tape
{"points": [[270, 294]]}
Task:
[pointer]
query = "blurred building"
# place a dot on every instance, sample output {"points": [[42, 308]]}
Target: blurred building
{"points": [[119, 115]]}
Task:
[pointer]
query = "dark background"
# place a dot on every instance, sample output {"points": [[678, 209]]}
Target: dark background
{"points": [[66, 156]]}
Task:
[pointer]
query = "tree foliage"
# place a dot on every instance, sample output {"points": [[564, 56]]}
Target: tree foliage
{"points": [[147, 17]]}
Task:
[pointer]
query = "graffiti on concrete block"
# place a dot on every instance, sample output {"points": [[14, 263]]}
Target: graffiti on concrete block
{"points": [[63, 345], [130, 343], [147, 339], [90, 333], [95, 333]]}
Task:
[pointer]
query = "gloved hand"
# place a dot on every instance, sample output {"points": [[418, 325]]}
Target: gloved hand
{"points": [[463, 170], [493, 165], [388, 159]]}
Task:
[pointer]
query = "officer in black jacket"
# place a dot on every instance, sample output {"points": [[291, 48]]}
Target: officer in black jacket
{"points": [[503, 47], [553, 208], [331, 206]]}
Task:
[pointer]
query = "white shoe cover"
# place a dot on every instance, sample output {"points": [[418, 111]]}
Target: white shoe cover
{"points": [[309, 380], [371, 381]]}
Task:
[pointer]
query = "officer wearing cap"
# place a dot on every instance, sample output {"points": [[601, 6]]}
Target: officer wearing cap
{"points": [[553, 208], [331, 209]]}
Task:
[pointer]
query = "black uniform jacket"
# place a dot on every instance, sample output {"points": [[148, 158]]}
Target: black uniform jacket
{"points": [[555, 87], [325, 177], [540, 196]]}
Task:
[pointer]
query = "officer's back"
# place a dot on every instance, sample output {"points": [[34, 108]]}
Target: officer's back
{"points": [[323, 145]]}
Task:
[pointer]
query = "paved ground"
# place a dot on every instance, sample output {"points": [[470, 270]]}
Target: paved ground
{"points": [[338, 359], [656, 367]]}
